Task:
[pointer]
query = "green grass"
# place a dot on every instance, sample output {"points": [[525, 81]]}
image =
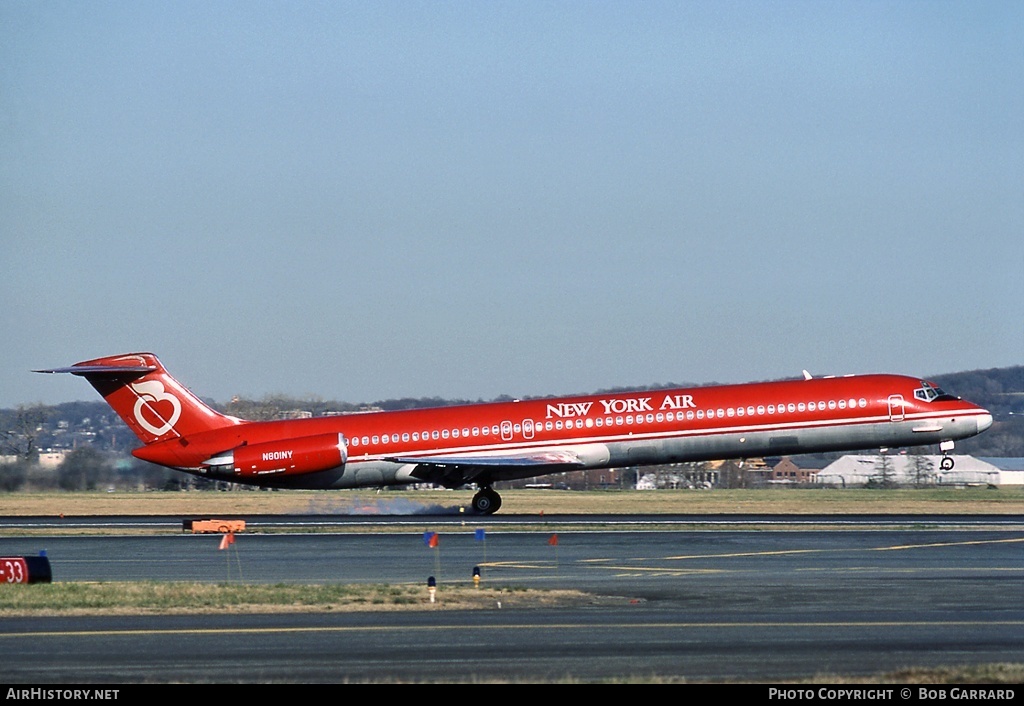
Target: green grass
{"points": [[159, 597], [976, 500]]}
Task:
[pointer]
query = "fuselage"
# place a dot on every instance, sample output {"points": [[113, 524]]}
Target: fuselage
{"points": [[615, 429]]}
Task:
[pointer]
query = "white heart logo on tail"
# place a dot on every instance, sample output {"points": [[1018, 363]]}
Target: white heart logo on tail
{"points": [[150, 393]]}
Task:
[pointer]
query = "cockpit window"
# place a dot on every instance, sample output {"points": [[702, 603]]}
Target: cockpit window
{"points": [[930, 392]]}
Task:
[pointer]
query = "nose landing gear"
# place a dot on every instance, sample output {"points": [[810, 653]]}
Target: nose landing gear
{"points": [[946, 464]]}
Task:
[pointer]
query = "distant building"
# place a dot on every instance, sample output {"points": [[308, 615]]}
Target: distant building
{"points": [[788, 471], [647, 482], [673, 476], [859, 470], [52, 459], [590, 479], [1005, 464]]}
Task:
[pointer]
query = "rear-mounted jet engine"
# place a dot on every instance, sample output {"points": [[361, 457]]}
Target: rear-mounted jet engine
{"points": [[288, 457]]}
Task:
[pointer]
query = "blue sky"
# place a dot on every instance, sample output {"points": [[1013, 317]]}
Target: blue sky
{"points": [[367, 200]]}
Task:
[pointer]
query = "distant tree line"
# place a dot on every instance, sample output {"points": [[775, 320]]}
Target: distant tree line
{"points": [[89, 468]]}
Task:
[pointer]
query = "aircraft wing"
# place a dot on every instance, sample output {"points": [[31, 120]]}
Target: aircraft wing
{"points": [[457, 469]]}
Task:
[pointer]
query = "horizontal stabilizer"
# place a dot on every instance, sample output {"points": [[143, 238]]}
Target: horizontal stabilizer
{"points": [[102, 370]]}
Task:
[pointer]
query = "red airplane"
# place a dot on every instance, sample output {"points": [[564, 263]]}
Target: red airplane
{"points": [[489, 442]]}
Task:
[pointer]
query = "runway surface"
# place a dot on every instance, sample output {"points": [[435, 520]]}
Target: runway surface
{"points": [[697, 604]]}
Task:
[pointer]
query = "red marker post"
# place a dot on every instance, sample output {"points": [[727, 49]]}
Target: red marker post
{"points": [[431, 540]]}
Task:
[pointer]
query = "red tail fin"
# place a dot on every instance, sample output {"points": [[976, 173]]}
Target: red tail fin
{"points": [[152, 403]]}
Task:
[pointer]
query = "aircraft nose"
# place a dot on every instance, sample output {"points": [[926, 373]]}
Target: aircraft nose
{"points": [[984, 422]]}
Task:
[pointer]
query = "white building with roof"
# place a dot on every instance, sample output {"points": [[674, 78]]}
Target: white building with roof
{"points": [[858, 470]]}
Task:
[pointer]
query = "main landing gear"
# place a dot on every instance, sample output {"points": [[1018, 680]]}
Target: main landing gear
{"points": [[486, 501]]}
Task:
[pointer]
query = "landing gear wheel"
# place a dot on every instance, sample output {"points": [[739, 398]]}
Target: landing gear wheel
{"points": [[946, 464], [486, 502]]}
